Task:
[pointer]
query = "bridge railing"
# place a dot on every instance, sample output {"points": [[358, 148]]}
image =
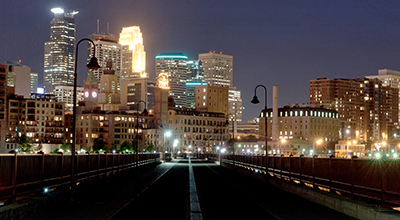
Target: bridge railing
{"points": [[374, 180], [23, 174]]}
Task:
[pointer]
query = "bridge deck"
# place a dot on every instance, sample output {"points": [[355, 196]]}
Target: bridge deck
{"points": [[165, 192]]}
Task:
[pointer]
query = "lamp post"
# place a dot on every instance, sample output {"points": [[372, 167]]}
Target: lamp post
{"points": [[137, 129], [157, 127], [317, 143], [91, 65], [167, 133], [233, 136], [256, 101]]}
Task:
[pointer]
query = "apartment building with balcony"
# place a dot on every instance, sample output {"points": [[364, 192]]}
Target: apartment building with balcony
{"points": [[40, 118]]}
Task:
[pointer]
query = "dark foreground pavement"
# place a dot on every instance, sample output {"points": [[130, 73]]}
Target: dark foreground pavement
{"points": [[165, 192]]}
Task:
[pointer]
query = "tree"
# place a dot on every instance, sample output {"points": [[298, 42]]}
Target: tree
{"points": [[98, 144], [65, 147], [126, 146], [150, 148], [24, 145]]}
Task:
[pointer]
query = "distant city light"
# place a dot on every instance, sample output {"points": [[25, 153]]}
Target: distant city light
{"points": [[40, 90]]}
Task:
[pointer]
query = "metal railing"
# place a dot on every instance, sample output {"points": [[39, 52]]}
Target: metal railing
{"points": [[372, 180], [24, 174]]}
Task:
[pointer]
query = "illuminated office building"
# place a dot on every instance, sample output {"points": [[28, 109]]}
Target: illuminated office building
{"points": [[107, 49], [34, 82], [195, 72], [389, 78], [135, 89], [218, 68], [59, 52], [175, 66], [235, 104], [195, 77], [134, 56], [65, 94]]}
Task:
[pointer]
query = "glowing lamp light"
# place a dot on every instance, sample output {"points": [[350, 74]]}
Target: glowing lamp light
{"points": [[46, 190], [395, 155], [57, 10], [378, 155], [40, 90]]}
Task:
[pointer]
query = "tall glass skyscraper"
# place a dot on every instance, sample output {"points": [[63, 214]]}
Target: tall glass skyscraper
{"points": [[59, 52], [174, 64], [131, 40]]}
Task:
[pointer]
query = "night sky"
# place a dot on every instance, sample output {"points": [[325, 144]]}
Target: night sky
{"points": [[284, 43]]}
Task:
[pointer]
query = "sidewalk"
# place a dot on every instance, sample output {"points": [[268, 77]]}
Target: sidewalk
{"points": [[98, 199]]}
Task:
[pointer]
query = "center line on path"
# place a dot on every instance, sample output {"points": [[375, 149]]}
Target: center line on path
{"points": [[195, 212]]}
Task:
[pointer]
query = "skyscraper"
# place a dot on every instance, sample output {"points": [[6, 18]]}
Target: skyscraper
{"points": [[195, 77], [34, 82], [218, 68], [107, 49], [134, 57], [59, 52], [175, 66]]}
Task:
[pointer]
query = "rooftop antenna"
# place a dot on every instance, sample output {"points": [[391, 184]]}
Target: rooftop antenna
{"points": [[108, 27], [98, 25]]}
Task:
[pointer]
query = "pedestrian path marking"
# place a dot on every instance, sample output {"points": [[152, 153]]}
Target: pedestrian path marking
{"points": [[195, 211]]}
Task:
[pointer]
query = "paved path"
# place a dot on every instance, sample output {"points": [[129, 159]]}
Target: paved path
{"points": [[187, 189]]}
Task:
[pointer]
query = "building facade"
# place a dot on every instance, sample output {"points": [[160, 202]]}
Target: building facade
{"points": [[235, 104], [218, 68], [107, 49], [109, 96], [19, 77], [305, 124], [389, 78], [367, 108], [3, 106], [200, 131], [40, 118], [59, 52], [212, 99], [191, 93], [175, 66], [34, 82], [134, 56], [112, 128], [136, 89], [65, 94]]}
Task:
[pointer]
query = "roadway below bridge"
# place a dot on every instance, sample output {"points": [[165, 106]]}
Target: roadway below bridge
{"points": [[187, 189]]}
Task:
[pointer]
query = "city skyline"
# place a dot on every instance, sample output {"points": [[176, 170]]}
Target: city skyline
{"points": [[272, 43]]}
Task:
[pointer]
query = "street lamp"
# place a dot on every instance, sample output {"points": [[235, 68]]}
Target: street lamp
{"points": [[94, 66], [175, 145], [166, 134], [317, 143], [137, 129], [283, 143], [256, 101], [233, 136]]}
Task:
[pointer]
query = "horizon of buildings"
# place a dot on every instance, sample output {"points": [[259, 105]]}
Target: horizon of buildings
{"points": [[365, 106]]}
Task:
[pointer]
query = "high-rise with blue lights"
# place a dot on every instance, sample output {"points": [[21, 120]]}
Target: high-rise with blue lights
{"points": [[59, 52], [175, 66]]}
